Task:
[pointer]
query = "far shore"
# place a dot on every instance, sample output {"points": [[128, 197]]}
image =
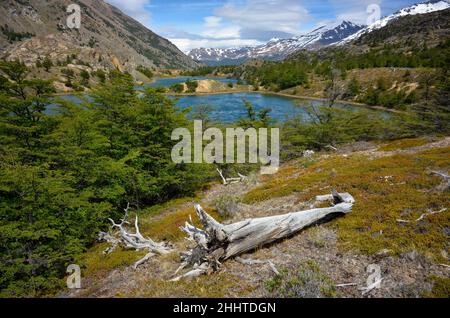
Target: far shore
{"points": [[265, 92]]}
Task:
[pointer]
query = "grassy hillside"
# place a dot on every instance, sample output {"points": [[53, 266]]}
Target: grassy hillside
{"points": [[390, 181]]}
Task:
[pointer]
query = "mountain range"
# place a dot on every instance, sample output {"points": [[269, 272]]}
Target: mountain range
{"points": [[277, 49], [325, 36], [34, 29]]}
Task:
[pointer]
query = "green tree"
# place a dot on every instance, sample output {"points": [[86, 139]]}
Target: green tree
{"points": [[47, 64], [70, 75], [63, 173], [354, 87], [101, 75], [203, 112], [177, 88], [85, 76], [146, 71], [191, 86]]}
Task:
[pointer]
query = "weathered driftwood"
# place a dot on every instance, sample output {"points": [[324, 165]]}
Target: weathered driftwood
{"points": [[446, 180], [422, 216], [217, 242], [346, 285], [227, 181], [331, 147], [368, 289], [132, 240]]}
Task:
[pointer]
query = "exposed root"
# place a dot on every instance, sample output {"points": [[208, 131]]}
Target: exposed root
{"points": [[227, 181], [423, 216], [445, 183]]}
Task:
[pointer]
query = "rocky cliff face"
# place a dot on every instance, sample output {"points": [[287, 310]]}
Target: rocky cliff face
{"points": [[36, 29]]}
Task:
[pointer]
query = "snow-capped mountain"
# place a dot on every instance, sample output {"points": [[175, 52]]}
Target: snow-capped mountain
{"points": [[420, 8], [210, 54], [277, 49]]}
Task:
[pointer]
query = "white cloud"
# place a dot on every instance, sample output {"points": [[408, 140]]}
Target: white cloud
{"points": [[355, 10], [215, 29], [222, 33], [266, 15], [246, 23], [212, 21], [135, 9]]}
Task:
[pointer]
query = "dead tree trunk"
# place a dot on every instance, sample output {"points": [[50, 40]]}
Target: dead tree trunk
{"points": [[218, 242], [132, 241]]}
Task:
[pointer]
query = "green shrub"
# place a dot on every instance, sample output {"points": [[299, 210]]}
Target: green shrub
{"points": [[146, 71], [227, 205], [177, 88], [191, 86]]}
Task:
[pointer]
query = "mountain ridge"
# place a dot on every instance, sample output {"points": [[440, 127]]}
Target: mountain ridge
{"points": [[277, 49], [416, 9], [322, 37], [107, 38]]}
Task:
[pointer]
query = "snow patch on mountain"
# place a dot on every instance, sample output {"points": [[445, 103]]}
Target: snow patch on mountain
{"points": [[420, 8], [276, 48]]}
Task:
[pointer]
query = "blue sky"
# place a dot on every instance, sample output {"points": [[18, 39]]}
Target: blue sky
{"points": [[233, 23]]}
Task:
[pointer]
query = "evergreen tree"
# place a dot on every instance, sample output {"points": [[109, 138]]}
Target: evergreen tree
{"points": [[47, 64]]}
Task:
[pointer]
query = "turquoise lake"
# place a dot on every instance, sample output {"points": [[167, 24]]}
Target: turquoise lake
{"points": [[230, 107]]}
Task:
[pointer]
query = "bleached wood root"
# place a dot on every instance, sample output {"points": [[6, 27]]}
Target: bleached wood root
{"points": [[445, 183], [441, 174], [217, 242], [197, 271], [368, 289], [144, 259], [423, 216], [107, 237], [227, 181], [347, 285], [133, 240]]}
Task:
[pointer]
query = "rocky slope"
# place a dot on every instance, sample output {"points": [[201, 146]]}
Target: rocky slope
{"points": [[107, 38], [277, 49]]}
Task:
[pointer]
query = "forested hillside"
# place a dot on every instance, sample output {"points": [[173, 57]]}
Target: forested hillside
{"points": [[63, 174]]}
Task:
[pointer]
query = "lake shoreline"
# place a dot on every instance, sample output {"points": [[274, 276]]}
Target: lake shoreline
{"points": [[240, 91], [379, 108]]}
